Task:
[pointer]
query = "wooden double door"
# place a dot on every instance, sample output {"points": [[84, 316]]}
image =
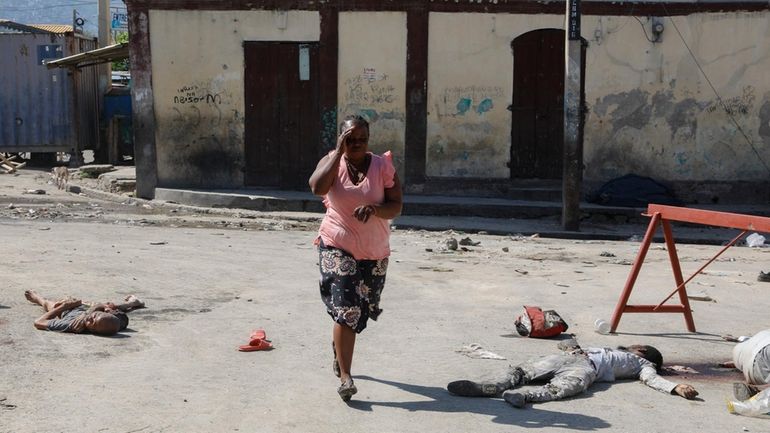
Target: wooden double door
{"points": [[282, 119]]}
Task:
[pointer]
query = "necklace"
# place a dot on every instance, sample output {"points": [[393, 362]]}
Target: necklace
{"points": [[356, 175]]}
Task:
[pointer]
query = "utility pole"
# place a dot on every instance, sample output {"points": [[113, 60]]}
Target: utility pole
{"points": [[104, 40], [573, 137]]}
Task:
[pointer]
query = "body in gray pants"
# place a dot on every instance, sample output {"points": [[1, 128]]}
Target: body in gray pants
{"points": [[572, 373], [569, 374]]}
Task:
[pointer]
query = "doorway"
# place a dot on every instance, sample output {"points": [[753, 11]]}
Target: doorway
{"points": [[282, 120], [537, 127]]}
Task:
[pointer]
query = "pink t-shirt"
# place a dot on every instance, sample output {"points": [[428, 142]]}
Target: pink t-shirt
{"points": [[340, 229]]}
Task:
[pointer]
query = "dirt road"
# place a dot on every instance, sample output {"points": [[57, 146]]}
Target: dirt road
{"points": [[209, 279]]}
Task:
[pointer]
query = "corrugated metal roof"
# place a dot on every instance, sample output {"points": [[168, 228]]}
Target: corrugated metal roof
{"points": [[7, 26], [53, 28], [93, 57]]}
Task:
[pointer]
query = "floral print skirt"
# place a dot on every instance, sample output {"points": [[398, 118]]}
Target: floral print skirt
{"points": [[351, 288]]}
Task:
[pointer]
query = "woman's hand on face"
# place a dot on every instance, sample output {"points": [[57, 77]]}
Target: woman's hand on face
{"points": [[342, 140], [364, 212]]}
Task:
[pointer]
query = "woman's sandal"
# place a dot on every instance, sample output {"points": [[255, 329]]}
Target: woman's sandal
{"points": [[335, 364], [257, 341], [256, 344], [347, 389]]}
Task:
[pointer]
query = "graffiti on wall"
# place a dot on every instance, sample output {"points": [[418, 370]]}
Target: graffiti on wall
{"points": [[369, 90], [461, 100], [195, 104], [193, 94], [369, 93], [743, 104]]}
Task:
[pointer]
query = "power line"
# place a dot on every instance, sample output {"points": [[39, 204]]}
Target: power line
{"points": [[61, 5], [719, 98]]}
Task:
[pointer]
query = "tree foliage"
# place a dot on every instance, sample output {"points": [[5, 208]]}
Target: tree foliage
{"points": [[121, 65]]}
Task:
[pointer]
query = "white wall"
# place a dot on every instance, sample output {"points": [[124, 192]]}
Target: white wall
{"points": [[372, 76], [470, 58], [652, 110], [198, 86]]}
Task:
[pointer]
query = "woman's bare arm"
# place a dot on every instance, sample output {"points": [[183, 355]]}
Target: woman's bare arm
{"points": [[325, 172], [393, 203], [388, 209]]}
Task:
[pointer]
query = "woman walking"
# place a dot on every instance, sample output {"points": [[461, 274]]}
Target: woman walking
{"points": [[361, 193]]}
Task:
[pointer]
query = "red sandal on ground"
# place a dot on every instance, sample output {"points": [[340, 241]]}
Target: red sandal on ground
{"points": [[255, 345], [258, 341]]}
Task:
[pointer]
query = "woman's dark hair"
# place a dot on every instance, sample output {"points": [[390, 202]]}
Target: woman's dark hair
{"points": [[355, 119]]}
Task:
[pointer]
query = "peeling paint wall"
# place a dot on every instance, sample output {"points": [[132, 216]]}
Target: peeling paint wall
{"points": [[197, 73], [470, 79], [652, 111], [372, 76]]}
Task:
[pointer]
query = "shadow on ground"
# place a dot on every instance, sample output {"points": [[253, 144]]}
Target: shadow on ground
{"points": [[701, 336], [442, 401]]}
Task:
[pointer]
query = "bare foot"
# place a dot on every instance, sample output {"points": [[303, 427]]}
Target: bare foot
{"points": [[32, 296]]}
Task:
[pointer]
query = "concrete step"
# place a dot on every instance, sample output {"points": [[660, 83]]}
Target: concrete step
{"points": [[513, 189], [416, 205]]}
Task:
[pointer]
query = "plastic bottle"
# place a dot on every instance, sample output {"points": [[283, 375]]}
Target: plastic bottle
{"points": [[601, 326], [757, 406]]}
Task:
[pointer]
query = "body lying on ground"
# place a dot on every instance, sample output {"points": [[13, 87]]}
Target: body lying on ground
{"points": [[572, 372], [75, 316], [752, 357]]}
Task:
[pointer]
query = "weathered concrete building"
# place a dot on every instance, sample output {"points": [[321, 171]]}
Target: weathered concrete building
{"points": [[468, 95]]}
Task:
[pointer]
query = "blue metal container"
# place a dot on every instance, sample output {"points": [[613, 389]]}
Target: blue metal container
{"points": [[41, 109]]}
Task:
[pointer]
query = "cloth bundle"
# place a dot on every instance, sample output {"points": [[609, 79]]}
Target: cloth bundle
{"points": [[537, 323]]}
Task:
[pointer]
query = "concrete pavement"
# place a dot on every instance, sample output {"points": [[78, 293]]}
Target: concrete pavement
{"points": [[209, 278], [177, 368]]}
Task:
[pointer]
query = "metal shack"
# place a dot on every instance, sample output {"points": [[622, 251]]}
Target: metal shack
{"points": [[46, 110]]}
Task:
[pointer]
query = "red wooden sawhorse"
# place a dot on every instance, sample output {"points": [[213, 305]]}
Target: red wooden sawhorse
{"points": [[661, 215]]}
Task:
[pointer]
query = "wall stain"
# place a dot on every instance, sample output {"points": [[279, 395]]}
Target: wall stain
{"points": [[329, 129], [683, 117], [764, 121], [662, 104], [466, 151], [631, 109], [209, 160]]}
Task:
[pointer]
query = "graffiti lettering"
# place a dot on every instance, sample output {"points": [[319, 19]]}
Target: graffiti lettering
{"points": [[192, 98], [369, 88], [186, 89], [194, 94], [736, 105], [475, 91]]}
